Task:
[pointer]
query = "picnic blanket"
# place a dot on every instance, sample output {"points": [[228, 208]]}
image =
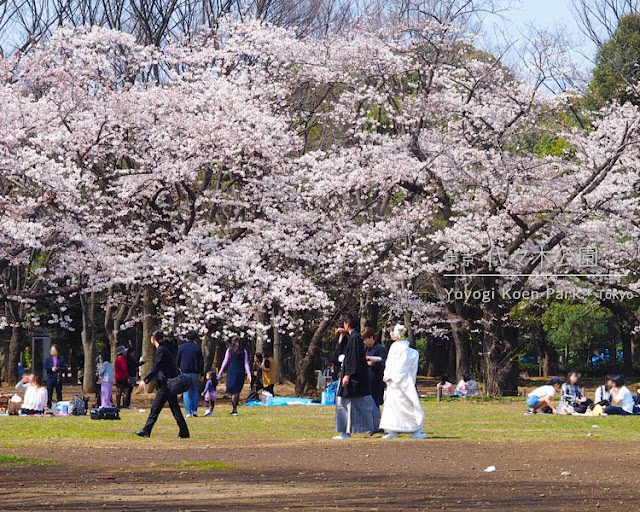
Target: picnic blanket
{"points": [[279, 401]]}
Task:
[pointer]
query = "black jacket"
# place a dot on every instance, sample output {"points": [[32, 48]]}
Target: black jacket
{"points": [[355, 365], [164, 366], [190, 358], [132, 366]]}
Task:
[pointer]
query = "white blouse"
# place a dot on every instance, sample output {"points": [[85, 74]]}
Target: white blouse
{"points": [[35, 398]]}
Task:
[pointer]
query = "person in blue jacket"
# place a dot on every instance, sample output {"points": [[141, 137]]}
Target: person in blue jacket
{"points": [[191, 364], [55, 367]]}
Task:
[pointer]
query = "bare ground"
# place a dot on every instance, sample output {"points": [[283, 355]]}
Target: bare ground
{"points": [[364, 474]]}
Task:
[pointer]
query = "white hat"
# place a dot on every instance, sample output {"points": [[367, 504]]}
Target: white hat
{"points": [[399, 331]]}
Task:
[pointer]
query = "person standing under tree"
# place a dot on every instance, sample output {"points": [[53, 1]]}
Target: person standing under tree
{"points": [[55, 366], [132, 367], [402, 412], [191, 364], [376, 356], [164, 368], [356, 411], [122, 376], [236, 360], [106, 379]]}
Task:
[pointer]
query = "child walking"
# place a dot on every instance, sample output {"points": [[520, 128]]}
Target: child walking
{"points": [[210, 393]]}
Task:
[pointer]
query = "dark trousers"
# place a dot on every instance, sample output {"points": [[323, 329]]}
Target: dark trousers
{"points": [[122, 386], [615, 410], [162, 397], [54, 382]]}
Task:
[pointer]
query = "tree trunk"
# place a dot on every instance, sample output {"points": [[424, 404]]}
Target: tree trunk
{"points": [[88, 337], [209, 345], [431, 360], [549, 358], [411, 334], [627, 357], [369, 311], [461, 344], [500, 366], [219, 357], [149, 325], [305, 374], [5, 360], [260, 333], [14, 355], [277, 345]]}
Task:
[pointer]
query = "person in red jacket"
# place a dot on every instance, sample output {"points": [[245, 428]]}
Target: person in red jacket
{"points": [[122, 375]]}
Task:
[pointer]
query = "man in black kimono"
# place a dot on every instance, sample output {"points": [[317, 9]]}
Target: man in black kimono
{"points": [[356, 411]]}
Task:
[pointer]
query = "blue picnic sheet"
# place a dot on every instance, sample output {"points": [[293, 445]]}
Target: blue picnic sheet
{"points": [[279, 401]]}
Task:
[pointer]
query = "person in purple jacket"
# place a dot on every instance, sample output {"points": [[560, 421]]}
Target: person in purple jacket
{"points": [[210, 393], [54, 366]]}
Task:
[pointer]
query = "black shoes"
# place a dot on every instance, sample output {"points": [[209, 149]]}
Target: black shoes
{"points": [[142, 433]]}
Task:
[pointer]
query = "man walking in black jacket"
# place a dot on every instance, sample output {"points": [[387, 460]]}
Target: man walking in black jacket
{"points": [[164, 368], [191, 364]]}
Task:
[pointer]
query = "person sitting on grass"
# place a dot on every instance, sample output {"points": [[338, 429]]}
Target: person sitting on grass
{"points": [[603, 393], [445, 387], [572, 400], [540, 400], [467, 387], [473, 388], [269, 374], [622, 402], [35, 394]]}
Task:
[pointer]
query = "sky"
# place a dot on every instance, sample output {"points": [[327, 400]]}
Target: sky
{"points": [[544, 14]]}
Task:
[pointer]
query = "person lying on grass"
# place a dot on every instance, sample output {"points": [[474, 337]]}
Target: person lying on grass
{"points": [[540, 400], [622, 402]]}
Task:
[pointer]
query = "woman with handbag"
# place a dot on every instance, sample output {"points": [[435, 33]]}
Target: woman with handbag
{"points": [[164, 369]]}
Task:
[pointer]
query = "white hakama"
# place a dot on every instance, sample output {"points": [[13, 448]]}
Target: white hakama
{"points": [[402, 412]]}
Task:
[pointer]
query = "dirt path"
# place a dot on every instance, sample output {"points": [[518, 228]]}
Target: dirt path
{"points": [[364, 474]]}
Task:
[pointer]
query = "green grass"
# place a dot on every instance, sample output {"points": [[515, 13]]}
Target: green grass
{"points": [[470, 420], [17, 460]]}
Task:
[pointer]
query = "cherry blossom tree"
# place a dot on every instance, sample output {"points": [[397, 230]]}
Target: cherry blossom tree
{"points": [[255, 183]]}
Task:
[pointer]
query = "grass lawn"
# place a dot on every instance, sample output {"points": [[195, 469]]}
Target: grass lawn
{"points": [[283, 458], [471, 420]]}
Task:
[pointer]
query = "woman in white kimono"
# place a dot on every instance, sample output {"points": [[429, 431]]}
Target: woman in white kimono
{"points": [[402, 411]]}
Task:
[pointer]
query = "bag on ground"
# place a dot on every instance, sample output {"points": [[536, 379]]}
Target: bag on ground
{"points": [[105, 413]]}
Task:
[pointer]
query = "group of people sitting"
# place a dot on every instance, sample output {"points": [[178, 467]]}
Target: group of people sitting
{"points": [[467, 387], [613, 397]]}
